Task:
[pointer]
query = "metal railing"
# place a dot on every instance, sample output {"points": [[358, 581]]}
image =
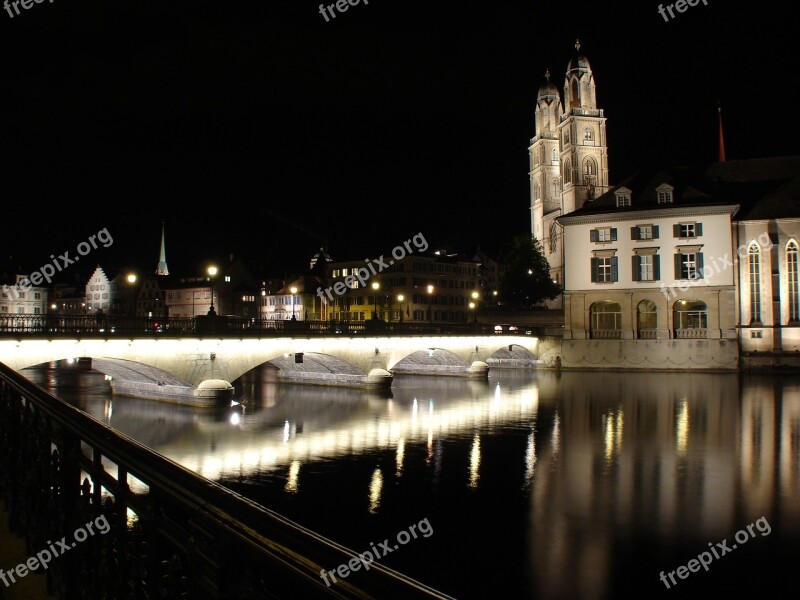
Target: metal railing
{"points": [[178, 535], [101, 326]]}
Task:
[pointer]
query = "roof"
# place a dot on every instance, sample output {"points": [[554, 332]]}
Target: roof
{"points": [[764, 188]]}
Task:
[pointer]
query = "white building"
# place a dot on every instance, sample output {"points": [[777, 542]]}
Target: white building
{"points": [[670, 268], [21, 298], [568, 156], [99, 292]]}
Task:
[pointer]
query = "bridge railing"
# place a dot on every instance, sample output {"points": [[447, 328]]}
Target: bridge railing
{"points": [[53, 326], [173, 535]]}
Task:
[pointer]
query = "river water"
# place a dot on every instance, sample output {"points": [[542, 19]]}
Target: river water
{"points": [[534, 485]]}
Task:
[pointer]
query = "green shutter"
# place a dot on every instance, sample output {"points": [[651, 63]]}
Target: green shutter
{"points": [[699, 265], [614, 269], [635, 261], [634, 233], [698, 228], [676, 231], [678, 258], [656, 268], [613, 234], [655, 232], [593, 235], [595, 262]]}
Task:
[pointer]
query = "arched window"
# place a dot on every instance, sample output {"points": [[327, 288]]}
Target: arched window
{"points": [[791, 272], [605, 320], [754, 262], [555, 155], [589, 170], [556, 187], [568, 171], [690, 319], [588, 134], [647, 319]]}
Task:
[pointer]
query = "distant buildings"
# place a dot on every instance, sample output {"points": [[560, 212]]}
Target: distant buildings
{"points": [[19, 297]]}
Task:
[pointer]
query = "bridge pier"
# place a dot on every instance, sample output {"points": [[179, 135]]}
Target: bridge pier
{"points": [[213, 392]]}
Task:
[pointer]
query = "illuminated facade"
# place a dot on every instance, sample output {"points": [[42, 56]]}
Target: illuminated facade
{"points": [[672, 267]]}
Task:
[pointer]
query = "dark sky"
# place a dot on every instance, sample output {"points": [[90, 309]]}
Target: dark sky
{"points": [[259, 128]]}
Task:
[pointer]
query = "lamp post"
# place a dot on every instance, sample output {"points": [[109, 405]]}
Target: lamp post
{"points": [[400, 299], [430, 310], [131, 281], [212, 272], [294, 291], [375, 287], [474, 305]]}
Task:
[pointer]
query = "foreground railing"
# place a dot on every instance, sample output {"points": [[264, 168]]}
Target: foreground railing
{"points": [[100, 326], [182, 537]]}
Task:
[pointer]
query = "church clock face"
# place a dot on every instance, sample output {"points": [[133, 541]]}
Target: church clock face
{"points": [[553, 240]]}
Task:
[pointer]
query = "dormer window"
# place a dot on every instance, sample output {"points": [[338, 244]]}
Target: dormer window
{"points": [[623, 196], [664, 193]]}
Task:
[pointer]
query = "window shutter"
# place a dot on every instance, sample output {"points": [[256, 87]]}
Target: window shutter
{"points": [[595, 262], [593, 235], [678, 258], [655, 232], [656, 268], [613, 234], [614, 268], [635, 267], [699, 265], [634, 233], [699, 229], [676, 230]]}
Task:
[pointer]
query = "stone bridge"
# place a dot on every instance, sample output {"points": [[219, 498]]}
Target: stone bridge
{"points": [[199, 371]]}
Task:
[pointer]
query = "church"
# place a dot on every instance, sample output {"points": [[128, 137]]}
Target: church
{"points": [[568, 156]]}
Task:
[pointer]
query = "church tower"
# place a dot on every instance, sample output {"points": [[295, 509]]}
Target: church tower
{"points": [[568, 156], [161, 268]]}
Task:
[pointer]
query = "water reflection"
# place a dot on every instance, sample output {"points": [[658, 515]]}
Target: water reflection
{"points": [[598, 466]]}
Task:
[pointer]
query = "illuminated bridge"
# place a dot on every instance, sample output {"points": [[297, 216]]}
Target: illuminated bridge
{"points": [[194, 360]]}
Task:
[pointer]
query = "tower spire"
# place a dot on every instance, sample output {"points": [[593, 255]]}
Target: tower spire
{"points": [[577, 45], [162, 269], [721, 137]]}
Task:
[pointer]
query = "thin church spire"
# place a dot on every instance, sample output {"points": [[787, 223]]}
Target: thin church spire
{"points": [[162, 269], [721, 136]]}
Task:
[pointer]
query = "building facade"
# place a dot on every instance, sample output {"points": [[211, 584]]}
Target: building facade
{"points": [[19, 297], [683, 267]]}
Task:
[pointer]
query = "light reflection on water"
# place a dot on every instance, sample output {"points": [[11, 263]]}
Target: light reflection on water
{"points": [[578, 485]]}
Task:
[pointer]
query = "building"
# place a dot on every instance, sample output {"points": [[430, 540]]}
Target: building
{"points": [[568, 157], [19, 297], [682, 267], [68, 299], [99, 292], [296, 300], [432, 287]]}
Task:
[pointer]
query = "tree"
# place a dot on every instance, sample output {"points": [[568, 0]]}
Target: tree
{"points": [[527, 278]]}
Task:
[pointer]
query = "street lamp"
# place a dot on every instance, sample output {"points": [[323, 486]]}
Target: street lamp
{"points": [[375, 287], [294, 291], [430, 310], [212, 272], [131, 280], [400, 299], [474, 304]]}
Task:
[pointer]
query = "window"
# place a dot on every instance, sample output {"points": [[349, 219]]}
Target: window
{"points": [[623, 200], [603, 234], [647, 319], [604, 269], [566, 137], [646, 267], [588, 134], [757, 334], [589, 170], [791, 271], [22, 295], [567, 171], [556, 186], [644, 232], [664, 197], [606, 317], [687, 230], [689, 265], [555, 156], [37, 296], [754, 262], [537, 191]]}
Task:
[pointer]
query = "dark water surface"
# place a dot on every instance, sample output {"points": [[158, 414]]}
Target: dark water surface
{"points": [[535, 484]]}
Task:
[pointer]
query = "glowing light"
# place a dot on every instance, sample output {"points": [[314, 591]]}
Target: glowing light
{"points": [[682, 427], [530, 459], [474, 461], [235, 418], [401, 453], [286, 430]]}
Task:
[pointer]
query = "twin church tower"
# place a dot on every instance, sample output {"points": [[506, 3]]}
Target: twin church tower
{"points": [[568, 155]]}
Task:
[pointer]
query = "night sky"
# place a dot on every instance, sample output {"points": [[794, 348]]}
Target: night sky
{"points": [[396, 117]]}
